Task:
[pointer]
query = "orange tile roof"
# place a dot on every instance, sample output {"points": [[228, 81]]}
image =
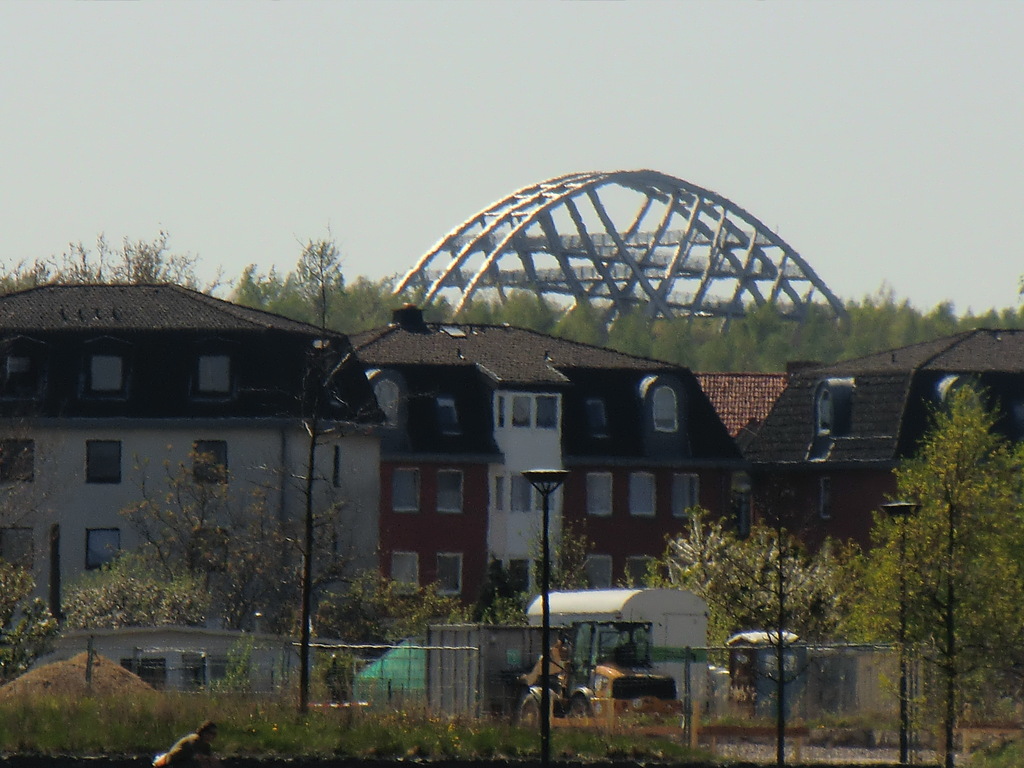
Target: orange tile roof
{"points": [[742, 400]]}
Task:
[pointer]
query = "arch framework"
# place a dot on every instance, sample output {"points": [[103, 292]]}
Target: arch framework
{"points": [[621, 240]]}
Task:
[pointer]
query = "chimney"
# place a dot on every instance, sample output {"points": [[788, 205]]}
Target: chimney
{"points": [[409, 317]]}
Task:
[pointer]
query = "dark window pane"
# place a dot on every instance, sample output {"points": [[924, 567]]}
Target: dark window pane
{"points": [[103, 461]]}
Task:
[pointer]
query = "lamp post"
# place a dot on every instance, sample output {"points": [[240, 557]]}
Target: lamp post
{"points": [[903, 510], [546, 481]]}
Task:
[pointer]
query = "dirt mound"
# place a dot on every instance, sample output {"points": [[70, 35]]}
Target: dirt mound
{"points": [[68, 678]]}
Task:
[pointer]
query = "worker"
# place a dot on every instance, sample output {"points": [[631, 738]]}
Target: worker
{"points": [[559, 655], [196, 749]]}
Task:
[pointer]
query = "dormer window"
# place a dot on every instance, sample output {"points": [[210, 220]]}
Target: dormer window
{"points": [[833, 405], [825, 411], [386, 392], [213, 375], [448, 416], [23, 369], [663, 403], [597, 417], [106, 374]]}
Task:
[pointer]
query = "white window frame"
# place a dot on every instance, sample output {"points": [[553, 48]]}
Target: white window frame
{"points": [[600, 488], [457, 558], [451, 505], [399, 569], [685, 493], [824, 411], [639, 484], [414, 472]]}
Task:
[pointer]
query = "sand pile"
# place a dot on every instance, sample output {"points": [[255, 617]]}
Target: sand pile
{"points": [[68, 678]]}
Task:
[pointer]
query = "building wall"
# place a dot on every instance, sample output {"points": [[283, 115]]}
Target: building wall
{"points": [[427, 531], [260, 455]]}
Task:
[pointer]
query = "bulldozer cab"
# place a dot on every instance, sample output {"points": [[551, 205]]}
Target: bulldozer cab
{"points": [[620, 644]]}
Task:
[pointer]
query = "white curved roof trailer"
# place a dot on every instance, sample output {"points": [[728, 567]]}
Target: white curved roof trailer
{"points": [[679, 620]]}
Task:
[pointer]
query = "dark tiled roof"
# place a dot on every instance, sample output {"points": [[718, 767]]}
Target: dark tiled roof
{"points": [[742, 399], [507, 355], [132, 307], [888, 400]]}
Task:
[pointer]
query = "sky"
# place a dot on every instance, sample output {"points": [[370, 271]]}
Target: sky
{"points": [[884, 141]]}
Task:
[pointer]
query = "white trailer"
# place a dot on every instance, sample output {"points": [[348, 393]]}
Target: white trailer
{"points": [[679, 624]]}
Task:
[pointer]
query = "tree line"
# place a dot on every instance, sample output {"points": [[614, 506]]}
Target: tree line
{"points": [[315, 290]]}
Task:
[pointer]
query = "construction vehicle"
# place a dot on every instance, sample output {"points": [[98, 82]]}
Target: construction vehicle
{"points": [[629, 650], [606, 670]]}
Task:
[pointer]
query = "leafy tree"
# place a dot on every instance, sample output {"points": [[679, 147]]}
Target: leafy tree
{"points": [[130, 591], [501, 599], [582, 323], [239, 549], [375, 609], [631, 333], [26, 626], [765, 580], [961, 577]]}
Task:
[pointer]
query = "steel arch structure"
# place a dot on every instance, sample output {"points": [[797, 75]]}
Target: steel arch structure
{"points": [[620, 240]]}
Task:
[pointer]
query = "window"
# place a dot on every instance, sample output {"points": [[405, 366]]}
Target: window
{"points": [[641, 494], [405, 569], [825, 411], [825, 498], [103, 461], [16, 546], [152, 669], [685, 493], [499, 492], [833, 407], [387, 394], [599, 571], [499, 411], [210, 461], [521, 407], [522, 494], [101, 546], [547, 412], [636, 570], [599, 493], [519, 575], [663, 405], [447, 416], [449, 573], [22, 374], [106, 374], [17, 460], [214, 375], [597, 417], [405, 490], [449, 490]]}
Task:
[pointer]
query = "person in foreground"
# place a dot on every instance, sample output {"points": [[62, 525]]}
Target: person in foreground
{"points": [[196, 749]]}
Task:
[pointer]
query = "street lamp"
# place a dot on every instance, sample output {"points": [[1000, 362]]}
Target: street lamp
{"points": [[902, 510], [546, 481]]}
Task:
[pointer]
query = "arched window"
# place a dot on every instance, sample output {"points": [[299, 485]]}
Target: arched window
{"points": [[387, 394], [663, 404]]}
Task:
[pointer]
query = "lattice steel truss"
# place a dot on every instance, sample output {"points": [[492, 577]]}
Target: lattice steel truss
{"points": [[620, 240]]}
